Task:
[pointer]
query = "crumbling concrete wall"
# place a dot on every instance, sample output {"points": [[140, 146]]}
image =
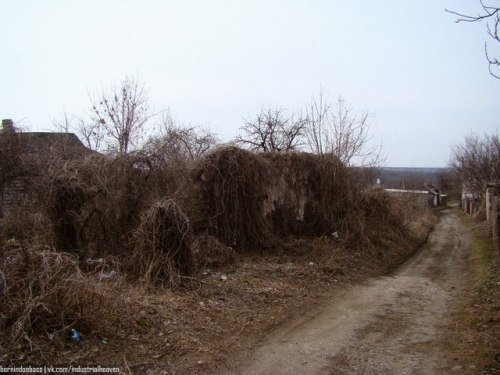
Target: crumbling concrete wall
{"points": [[247, 196]]}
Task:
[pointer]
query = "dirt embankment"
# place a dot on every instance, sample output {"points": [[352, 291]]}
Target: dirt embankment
{"points": [[395, 324]]}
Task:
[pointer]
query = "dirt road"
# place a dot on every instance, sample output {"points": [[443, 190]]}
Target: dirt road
{"points": [[391, 325]]}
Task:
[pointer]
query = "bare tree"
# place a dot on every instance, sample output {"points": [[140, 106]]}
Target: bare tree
{"points": [[477, 160], [118, 117], [337, 131], [179, 143], [63, 124], [273, 131], [318, 126], [488, 13], [92, 135]]}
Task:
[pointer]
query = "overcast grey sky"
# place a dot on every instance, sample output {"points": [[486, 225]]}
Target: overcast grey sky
{"points": [[422, 77]]}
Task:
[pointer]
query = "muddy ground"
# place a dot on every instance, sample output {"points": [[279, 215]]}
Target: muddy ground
{"points": [[395, 324]]}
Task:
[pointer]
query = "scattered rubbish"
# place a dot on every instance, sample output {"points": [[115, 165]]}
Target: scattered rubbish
{"points": [[335, 235], [200, 362], [311, 263], [104, 340], [75, 335], [223, 277], [107, 275]]}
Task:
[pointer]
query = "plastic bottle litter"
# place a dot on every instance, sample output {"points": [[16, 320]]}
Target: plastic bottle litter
{"points": [[75, 335]]}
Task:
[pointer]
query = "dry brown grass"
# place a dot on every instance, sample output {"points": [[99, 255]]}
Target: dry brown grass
{"points": [[371, 219], [43, 294], [210, 253], [475, 342]]}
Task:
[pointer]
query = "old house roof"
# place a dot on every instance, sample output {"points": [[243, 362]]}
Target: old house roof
{"points": [[25, 154], [432, 189], [66, 144]]}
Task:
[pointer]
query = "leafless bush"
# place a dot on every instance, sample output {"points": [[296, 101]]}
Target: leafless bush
{"points": [[43, 292], [335, 130], [162, 245], [93, 203], [26, 225], [273, 131], [170, 156], [477, 161], [375, 216], [90, 204], [210, 253], [176, 143]]}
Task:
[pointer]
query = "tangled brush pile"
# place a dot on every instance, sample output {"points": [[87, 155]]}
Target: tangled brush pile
{"points": [[162, 245], [231, 186], [374, 218], [210, 253], [43, 292]]}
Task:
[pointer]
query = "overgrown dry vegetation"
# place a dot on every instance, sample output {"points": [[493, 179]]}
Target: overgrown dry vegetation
{"points": [[161, 267], [476, 343]]}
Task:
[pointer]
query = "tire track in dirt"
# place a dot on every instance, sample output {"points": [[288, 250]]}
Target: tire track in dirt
{"points": [[391, 325]]}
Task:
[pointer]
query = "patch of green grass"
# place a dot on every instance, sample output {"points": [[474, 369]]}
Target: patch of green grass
{"points": [[143, 322], [474, 323]]}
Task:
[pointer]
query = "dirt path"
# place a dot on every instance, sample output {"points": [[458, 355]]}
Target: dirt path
{"points": [[392, 325]]}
